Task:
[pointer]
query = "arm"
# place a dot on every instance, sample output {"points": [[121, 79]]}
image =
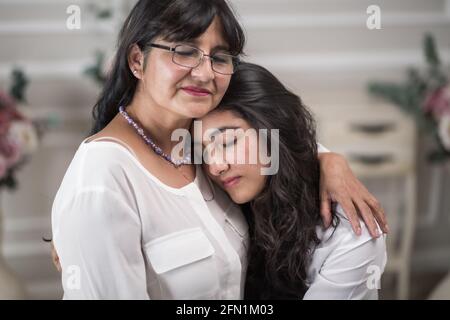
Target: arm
{"points": [[339, 184], [98, 240], [348, 267]]}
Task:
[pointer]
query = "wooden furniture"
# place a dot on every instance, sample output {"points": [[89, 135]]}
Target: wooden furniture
{"points": [[380, 145]]}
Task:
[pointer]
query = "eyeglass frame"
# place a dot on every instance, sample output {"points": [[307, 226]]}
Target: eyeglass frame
{"points": [[236, 59]]}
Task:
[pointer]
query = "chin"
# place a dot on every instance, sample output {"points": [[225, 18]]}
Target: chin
{"points": [[197, 111], [201, 103], [240, 199]]}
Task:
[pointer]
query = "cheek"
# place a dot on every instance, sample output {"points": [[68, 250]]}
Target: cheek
{"points": [[258, 181], [253, 184], [222, 84], [172, 77], [164, 77]]}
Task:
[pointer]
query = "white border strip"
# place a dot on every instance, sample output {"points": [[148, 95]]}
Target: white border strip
{"points": [[55, 27], [343, 20], [249, 22]]}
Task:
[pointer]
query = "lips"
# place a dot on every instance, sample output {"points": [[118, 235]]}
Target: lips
{"points": [[230, 182], [196, 91]]}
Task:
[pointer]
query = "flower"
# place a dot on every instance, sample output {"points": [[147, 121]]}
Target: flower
{"points": [[444, 131], [10, 154], [438, 102], [24, 134], [6, 101], [18, 138]]}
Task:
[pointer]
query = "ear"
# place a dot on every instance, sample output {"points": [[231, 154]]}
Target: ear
{"points": [[136, 61]]}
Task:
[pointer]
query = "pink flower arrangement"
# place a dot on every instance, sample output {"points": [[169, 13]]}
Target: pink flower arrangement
{"points": [[426, 96], [437, 103], [18, 138]]}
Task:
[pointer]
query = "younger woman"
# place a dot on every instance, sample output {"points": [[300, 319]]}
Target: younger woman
{"points": [[291, 255]]}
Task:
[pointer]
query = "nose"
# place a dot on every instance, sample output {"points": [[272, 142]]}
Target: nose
{"points": [[204, 71], [217, 169], [217, 164]]}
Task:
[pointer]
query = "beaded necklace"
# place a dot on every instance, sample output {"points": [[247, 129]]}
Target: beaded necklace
{"points": [[151, 144]]}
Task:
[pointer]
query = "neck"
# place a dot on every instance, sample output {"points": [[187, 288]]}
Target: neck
{"points": [[158, 122]]}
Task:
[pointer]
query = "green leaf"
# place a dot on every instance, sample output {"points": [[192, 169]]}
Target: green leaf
{"points": [[430, 51], [9, 181], [104, 14], [95, 71], [394, 93], [19, 84]]}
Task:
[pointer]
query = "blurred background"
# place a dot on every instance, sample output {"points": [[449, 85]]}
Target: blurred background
{"points": [[376, 79]]}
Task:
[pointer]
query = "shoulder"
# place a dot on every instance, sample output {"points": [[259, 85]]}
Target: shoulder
{"points": [[340, 243], [344, 265], [101, 160], [341, 236], [109, 151], [98, 166]]}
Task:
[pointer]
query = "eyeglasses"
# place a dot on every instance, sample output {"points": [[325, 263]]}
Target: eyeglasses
{"points": [[192, 57]]}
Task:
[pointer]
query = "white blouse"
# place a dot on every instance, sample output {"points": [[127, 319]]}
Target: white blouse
{"points": [[121, 233], [344, 265]]}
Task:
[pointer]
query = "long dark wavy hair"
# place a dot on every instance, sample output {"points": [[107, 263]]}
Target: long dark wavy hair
{"points": [[283, 218], [173, 20]]}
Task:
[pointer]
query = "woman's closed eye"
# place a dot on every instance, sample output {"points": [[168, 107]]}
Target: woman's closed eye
{"points": [[187, 53], [228, 140], [230, 144], [221, 59]]}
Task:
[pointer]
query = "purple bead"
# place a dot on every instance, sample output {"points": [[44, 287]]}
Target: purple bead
{"points": [[149, 142]]}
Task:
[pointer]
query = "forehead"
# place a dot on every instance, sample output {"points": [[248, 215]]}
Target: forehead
{"points": [[213, 37], [218, 119]]}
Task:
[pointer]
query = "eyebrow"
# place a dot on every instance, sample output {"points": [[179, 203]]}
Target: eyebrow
{"points": [[219, 47], [222, 129]]}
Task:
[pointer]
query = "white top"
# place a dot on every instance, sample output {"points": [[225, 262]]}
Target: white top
{"points": [[121, 233], [345, 266]]}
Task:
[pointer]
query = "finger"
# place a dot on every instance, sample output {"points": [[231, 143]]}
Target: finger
{"points": [[325, 212], [55, 259], [367, 212], [57, 264], [379, 214], [350, 212], [374, 205], [366, 215]]}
